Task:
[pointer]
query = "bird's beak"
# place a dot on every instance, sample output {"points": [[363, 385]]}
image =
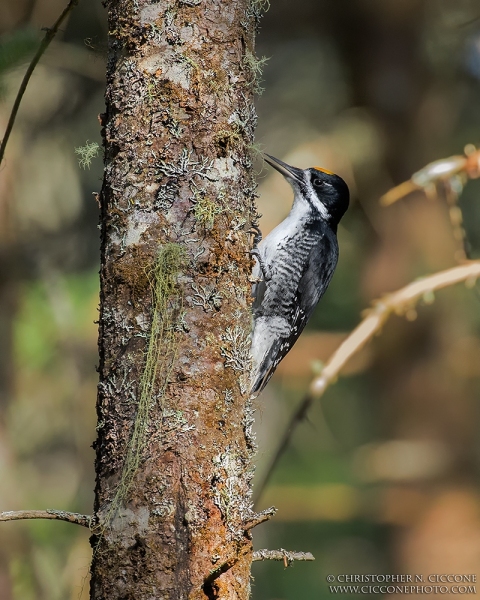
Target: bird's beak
{"points": [[286, 170]]}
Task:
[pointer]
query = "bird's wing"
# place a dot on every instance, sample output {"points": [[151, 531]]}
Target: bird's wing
{"points": [[317, 276], [312, 285]]}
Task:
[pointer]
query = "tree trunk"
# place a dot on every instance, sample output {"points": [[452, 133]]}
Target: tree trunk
{"points": [[174, 444]]}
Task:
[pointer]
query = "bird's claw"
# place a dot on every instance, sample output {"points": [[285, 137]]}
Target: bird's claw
{"points": [[263, 267], [257, 234]]}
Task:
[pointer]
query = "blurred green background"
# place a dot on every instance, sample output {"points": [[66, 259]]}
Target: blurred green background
{"points": [[383, 476]]}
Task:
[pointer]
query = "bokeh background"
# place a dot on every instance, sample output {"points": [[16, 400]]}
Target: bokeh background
{"points": [[383, 475]]}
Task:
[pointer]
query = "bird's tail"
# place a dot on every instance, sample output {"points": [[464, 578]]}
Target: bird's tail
{"points": [[265, 355]]}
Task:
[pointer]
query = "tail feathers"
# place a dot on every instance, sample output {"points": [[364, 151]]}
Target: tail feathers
{"points": [[261, 378], [271, 341]]}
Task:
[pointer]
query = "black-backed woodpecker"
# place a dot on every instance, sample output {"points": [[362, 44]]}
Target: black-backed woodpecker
{"points": [[294, 265]]}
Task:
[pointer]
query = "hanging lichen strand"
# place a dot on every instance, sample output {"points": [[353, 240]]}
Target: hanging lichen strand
{"points": [[174, 441], [159, 359]]}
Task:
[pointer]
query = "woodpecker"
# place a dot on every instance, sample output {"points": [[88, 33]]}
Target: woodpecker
{"points": [[294, 265]]}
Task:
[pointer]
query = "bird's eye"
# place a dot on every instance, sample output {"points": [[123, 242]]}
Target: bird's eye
{"points": [[317, 182]]}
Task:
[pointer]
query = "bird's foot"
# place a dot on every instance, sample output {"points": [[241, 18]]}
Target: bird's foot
{"points": [[263, 267], [257, 234]]}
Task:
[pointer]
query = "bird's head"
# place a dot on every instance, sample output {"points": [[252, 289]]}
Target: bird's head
{"points": [[326, 193]]}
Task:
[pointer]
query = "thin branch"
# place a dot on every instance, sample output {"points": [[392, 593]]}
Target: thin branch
{"points": [[469, 22], [286, 556], [401, 302], [49, 35], [215, 574], [259, 518], [446, 170], [450, 175], [297, 417], [60, 515]]}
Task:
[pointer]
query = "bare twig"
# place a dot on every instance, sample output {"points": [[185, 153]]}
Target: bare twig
{"points": [[285, 555], [450, 174], [259, 518], [456, 169], [297, 417], [215, 574], [60, 515], [401, 302], [50, 33]]}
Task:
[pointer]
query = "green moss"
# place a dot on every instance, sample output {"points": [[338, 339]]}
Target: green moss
{"points": [[195, 66], [159, 358], [206, 210], [255, 65], [226, 139], [151, 92], [256, 9], [87, 153], [261, 6]]}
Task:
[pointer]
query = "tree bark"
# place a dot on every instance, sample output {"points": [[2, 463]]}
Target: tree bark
{"points": [[174, 446]]}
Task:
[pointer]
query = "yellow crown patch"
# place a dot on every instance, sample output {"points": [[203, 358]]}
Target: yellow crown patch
{"points": [[324, 170]]}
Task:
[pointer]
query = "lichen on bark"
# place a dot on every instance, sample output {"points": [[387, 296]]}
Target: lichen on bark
{"points": [[178, 134]]}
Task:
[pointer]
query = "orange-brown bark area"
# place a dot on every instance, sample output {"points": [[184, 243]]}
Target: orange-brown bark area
{"points": [[178, 132]]}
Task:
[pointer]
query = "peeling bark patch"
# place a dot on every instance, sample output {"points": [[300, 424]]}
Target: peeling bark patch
{"points": [[149, 14], [128, 524], [171, 66], [137, 228]]}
